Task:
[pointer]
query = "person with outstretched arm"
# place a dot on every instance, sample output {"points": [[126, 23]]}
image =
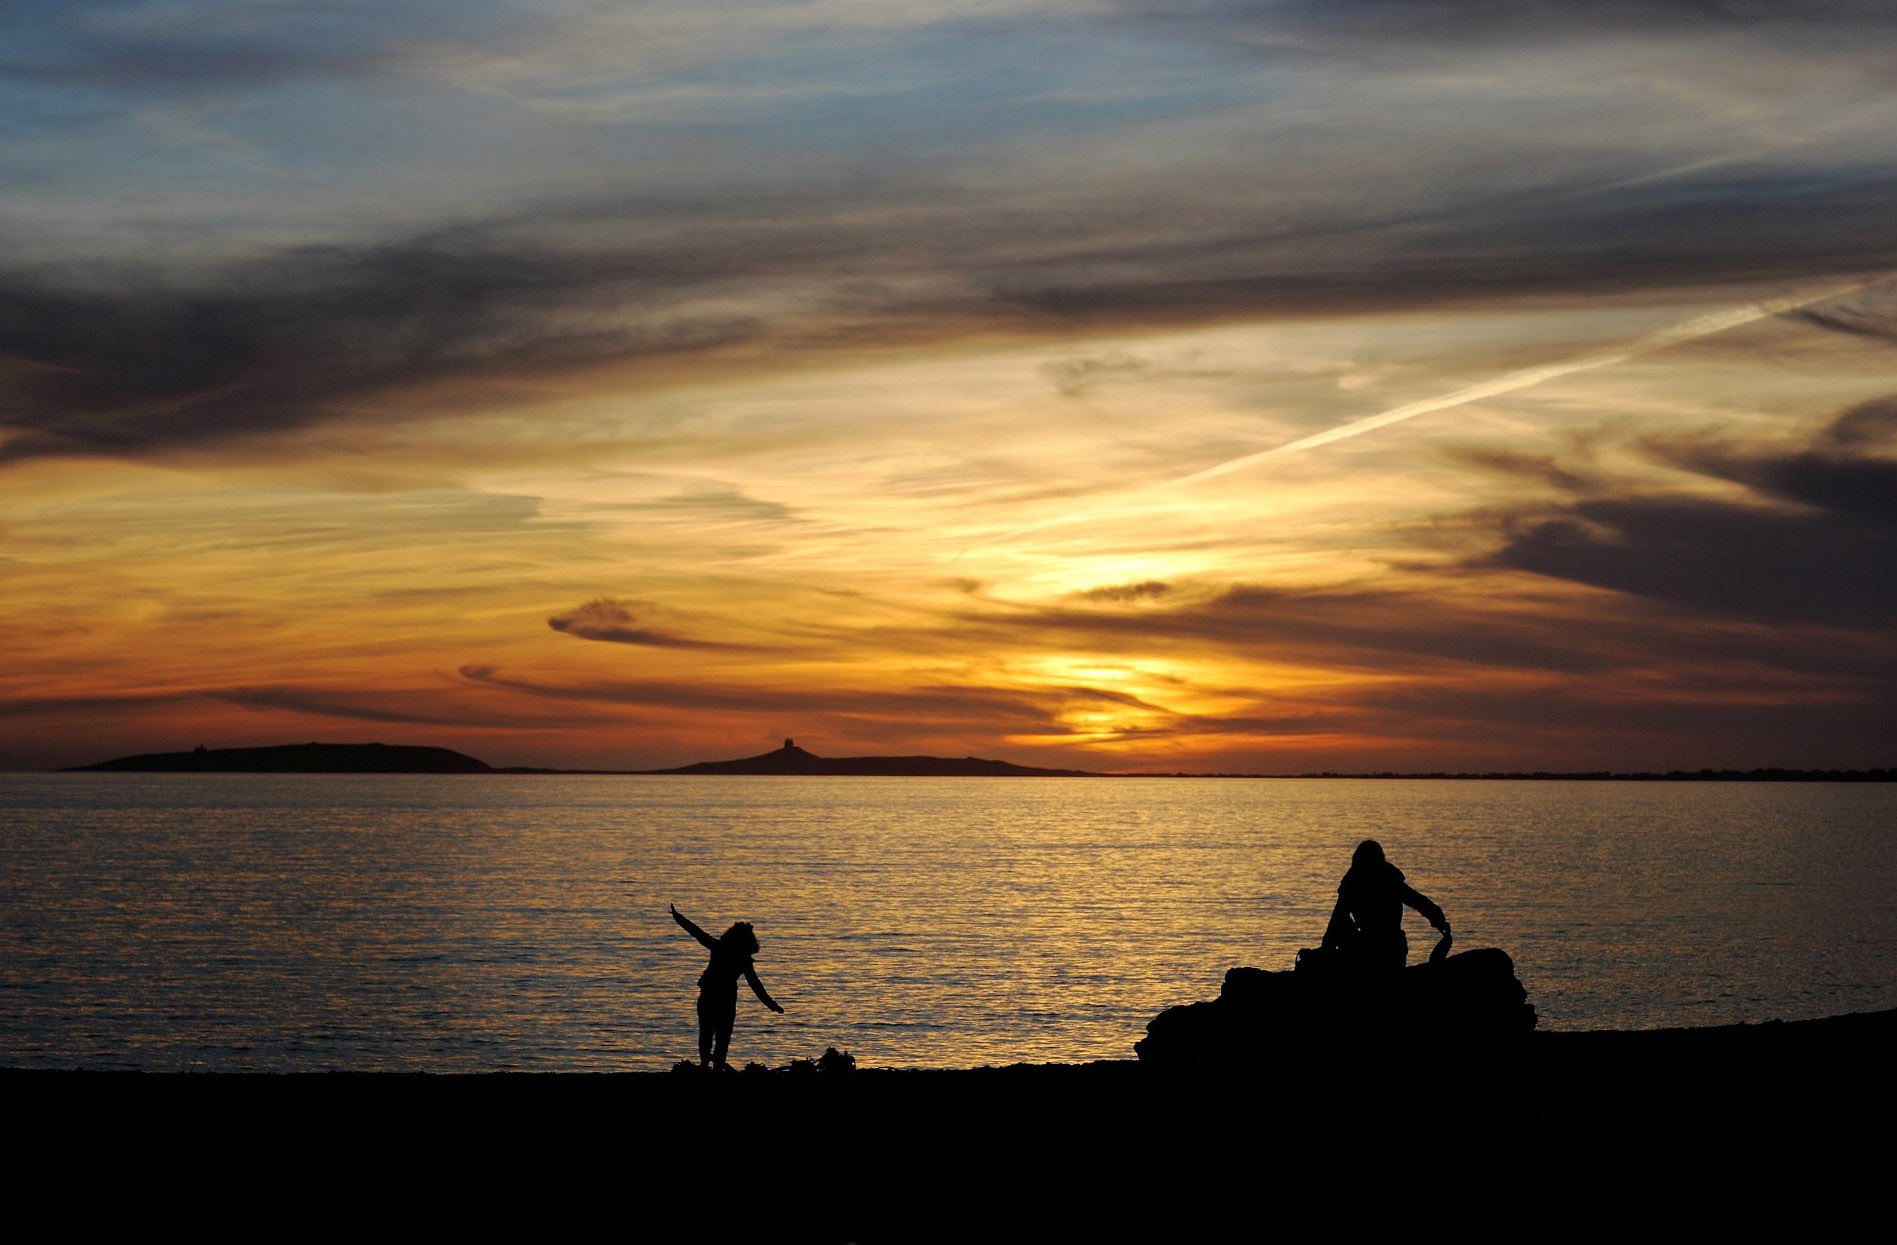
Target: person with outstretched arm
{"points": [[1367, 924], [718, 987]]}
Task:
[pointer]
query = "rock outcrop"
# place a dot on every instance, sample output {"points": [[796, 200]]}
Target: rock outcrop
{"points": [[1469, 1001]]}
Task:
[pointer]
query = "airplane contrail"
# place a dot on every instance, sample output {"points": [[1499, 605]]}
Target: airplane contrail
{"points": [[1688, 330]]}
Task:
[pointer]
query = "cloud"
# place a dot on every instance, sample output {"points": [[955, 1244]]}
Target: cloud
{"points": [[717, 504], [1719, 558], [1850, 471], [1629, 725], [275, 344], [31, 706], [1149, 590], [1082, 374], [1540, 468], [417, 707], [1456, 22], [1870, 312], [926, 706], [114, 363], [1868, 425], [227, 44], [1341, 629], [1816, 542], [1459, 668], [1266, 198], [613, 622]]}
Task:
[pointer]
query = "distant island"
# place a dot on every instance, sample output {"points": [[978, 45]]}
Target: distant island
{"points": [[377, 758], [298, 759], [790, 759]]}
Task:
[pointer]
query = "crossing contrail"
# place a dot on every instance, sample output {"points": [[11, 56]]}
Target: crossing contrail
{"points": [[1688, 330]]}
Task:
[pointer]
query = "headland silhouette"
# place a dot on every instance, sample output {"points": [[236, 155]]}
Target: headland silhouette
{"points": [[790, 759]]}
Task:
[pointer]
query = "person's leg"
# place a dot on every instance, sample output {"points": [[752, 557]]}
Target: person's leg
{"points": [[725, 1022], [707, 1028]]}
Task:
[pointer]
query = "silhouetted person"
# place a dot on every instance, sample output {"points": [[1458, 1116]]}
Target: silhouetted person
{"points": [[1367, 924], [718, 987]]}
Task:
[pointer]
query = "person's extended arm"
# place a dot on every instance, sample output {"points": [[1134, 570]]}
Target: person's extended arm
{"points": [[757, 988], [1338, 932], [693, 930], [1431, 913]]}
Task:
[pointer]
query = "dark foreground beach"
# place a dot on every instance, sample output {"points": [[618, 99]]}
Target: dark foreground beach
{"points": [[1769, 1127]]}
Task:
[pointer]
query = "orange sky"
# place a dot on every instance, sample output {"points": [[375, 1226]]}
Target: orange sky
{"points": [[876, 383]]}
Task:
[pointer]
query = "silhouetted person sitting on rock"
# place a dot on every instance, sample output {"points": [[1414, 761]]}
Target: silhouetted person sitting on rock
{"points": [[718, 987], [1367, 924]]}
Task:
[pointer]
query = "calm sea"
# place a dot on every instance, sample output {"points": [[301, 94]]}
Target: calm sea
{"points": [[464, 924]]}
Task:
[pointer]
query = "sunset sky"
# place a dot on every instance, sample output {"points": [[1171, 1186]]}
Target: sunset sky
{"points": [[627, 384]]}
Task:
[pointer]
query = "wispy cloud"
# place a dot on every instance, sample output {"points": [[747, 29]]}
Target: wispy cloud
{"points": [[614, 622], [1266, 197], [1825, 559]]}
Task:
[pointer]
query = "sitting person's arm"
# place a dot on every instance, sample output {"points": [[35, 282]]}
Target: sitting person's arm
{"points": [[1341, 930], [1431, 913]]}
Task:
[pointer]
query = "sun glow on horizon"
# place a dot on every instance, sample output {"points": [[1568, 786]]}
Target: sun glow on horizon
{"points": [[828, 575]]}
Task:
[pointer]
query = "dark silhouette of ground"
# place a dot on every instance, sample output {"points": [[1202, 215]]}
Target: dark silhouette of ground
{"points": [[1753, 1126], [731, 954]]}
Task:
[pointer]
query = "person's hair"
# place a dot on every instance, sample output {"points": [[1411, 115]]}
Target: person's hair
{"points": [[741, 937], [1369, 852]]}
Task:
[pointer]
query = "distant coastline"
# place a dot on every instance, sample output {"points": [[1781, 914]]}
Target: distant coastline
{"points": [[791, 760]]}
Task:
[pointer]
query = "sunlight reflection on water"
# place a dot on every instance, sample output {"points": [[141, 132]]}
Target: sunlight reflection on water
{"points": [[471, 923]]}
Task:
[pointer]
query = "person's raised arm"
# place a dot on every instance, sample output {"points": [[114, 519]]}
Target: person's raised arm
{"points": [[1431, 913], [757, 988], [693, 930]]}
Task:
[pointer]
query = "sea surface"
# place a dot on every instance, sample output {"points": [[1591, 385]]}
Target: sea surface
{"points": [[475, 923]]}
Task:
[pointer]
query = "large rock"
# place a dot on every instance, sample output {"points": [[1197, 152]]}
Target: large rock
{"points": [[1470, 1001]]}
